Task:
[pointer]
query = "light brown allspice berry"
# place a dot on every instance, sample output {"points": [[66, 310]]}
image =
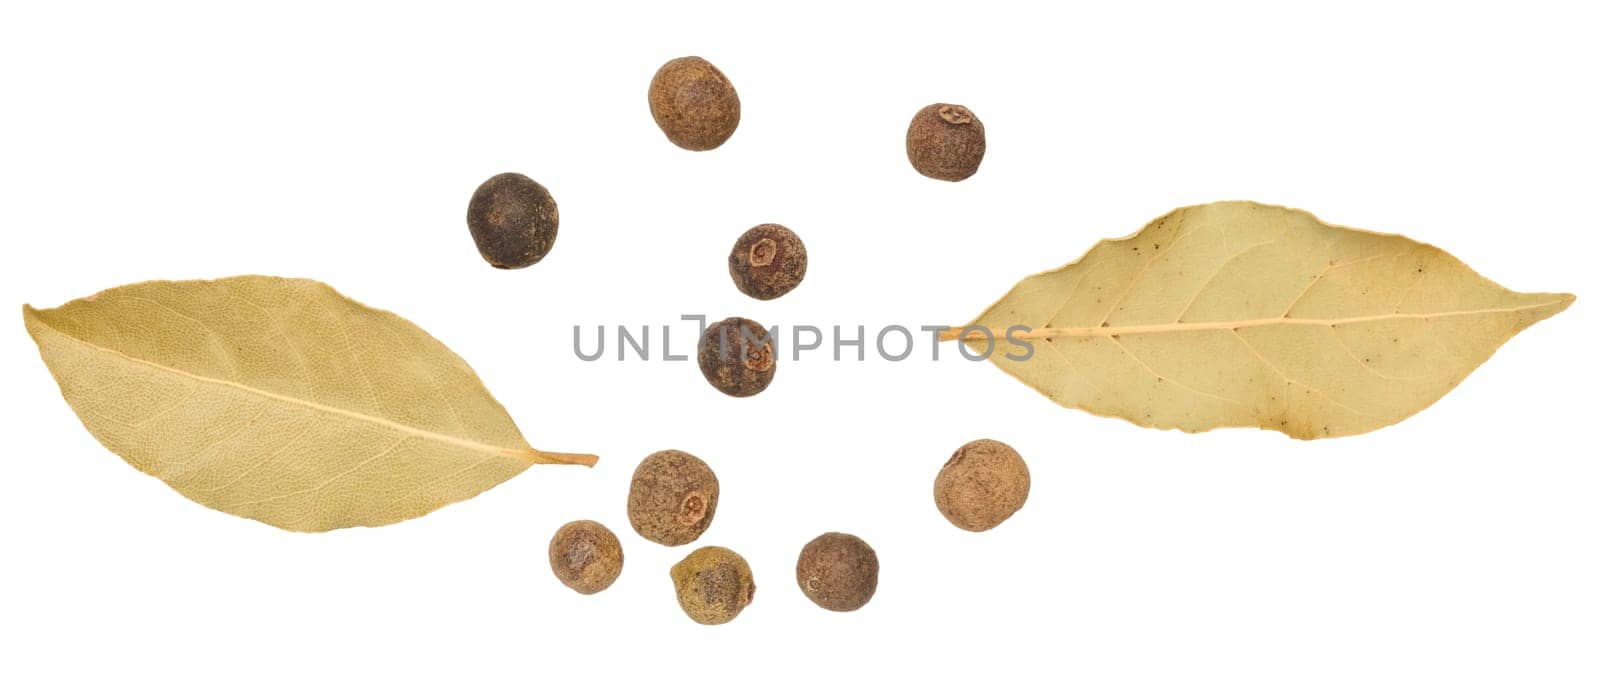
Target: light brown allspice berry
{"points": [[513, 221], [714, 584], [672, 498], [981, 485], [768, 261], [586, 556], [737, 357], [694, 103], [838, 571], [945, 142]]}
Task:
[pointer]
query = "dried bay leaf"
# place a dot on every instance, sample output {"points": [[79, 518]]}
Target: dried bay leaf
{"points": [[1237, 314], [280, 400]]}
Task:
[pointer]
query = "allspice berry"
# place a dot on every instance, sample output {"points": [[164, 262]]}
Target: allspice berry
{"points": [[586, 556], [714, 584], [694, 103], [981, 485], [768, 261], [737, 356], [945, 142], [513, 220], [838, 571], [672, 498]]}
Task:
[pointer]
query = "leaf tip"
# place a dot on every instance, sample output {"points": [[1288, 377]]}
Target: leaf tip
{"points": [[30, 316], [1551, 305]]}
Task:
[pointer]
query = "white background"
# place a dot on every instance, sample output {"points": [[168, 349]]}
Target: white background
{"points": [[146, 140]]}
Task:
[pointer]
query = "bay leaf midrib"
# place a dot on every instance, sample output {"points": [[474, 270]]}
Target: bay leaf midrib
{"points": [[967, 333]]}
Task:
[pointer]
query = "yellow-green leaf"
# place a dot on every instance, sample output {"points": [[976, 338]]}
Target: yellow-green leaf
{"points": [[1237, 314], [280, 400]]}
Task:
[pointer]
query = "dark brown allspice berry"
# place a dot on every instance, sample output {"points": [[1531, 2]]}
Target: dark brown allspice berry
{"points": [[513, 220], [672, 498], [737, 356], [945, 142], [838, 571], [714, 584], [694, 103], [585, 556], [768, 261], [981, 485]]}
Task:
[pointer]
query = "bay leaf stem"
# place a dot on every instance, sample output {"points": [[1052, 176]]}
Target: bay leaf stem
{"points": [[552, 457]]}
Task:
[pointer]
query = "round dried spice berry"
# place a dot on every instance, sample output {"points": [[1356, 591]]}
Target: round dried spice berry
{"points": [[714, 584], [981, 485], [673, 497], [586, 556], [838, 571], [513, 220], [694, 103], [945, 142], [737, 356], [767, 262]]}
